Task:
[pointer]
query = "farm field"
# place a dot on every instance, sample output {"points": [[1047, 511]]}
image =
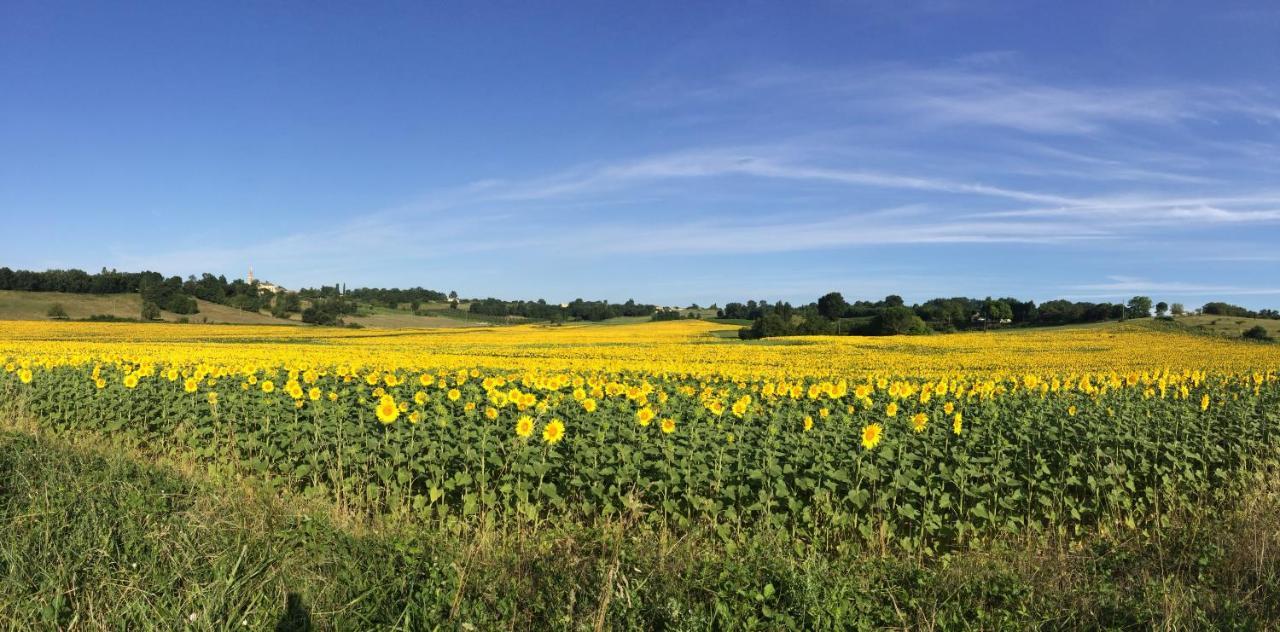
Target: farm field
{"points": [[765, 471]]}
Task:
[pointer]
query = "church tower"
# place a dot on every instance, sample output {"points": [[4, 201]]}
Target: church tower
{"points": [[250, 275]]}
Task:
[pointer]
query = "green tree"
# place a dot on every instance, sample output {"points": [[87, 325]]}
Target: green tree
{"points": [[1177, 309], [771, 325], [832, 305], [893, 321], [1161, 308], [1139, 307], [57, 311], [996, 311], [150, 311], [280, 306]]}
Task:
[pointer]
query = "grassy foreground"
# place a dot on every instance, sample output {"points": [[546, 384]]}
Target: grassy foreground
{"points": [[105, 538]]}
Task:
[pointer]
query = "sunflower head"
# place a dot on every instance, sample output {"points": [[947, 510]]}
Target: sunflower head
{"points": [[871, 435], [524, 425], [553, 432], [387, 411]]}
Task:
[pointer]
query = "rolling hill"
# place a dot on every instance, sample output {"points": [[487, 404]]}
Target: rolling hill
{"points": [[16, 305]]}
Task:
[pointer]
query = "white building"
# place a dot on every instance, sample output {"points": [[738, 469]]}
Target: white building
{"points": [[266, 285]]}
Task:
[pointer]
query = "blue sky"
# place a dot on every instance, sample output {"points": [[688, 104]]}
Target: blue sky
{"points": [[667, 152]]}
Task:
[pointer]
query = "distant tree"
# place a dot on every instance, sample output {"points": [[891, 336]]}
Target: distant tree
{"points": [[666, 314], [1021, 311], [279, 307], [893, 300], [1139, 307], [996, 311], [57, 311], [453, 300], [1225, 309], [832, 306], [327, 311], [150, 311], [945, 313], [181, 304], [1257, 332], [771, 325], [894, 321], [1177, 309], [735, 311], [1161, 308], [1060, 312]]}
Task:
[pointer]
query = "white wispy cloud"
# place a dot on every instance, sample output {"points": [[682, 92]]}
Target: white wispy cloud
{"points": [[1126, 284], [973, 153], [973, 94]]}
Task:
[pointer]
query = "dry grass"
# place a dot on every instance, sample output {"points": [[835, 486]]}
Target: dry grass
{"points": [[15, 305], [1230, 326], [35, 305]]}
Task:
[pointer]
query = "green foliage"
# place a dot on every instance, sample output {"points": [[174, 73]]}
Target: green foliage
{"points": [[1139, 307], [1022, 464], [578, 309], [997, 311], [150, 311], [328, 311], [285, 303], [166, 294], [97, 540], [57, 311], [1257, 332], [667, 314], [832, 305], [895, 321]]}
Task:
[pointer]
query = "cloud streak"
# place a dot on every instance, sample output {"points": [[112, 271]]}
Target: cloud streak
{"points": [[974, 158], [1123, 284]]}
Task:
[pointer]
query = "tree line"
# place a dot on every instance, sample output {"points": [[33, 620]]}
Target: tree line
{"points": [[578, 309], [832, 315], [158, 292], [395, 297]]}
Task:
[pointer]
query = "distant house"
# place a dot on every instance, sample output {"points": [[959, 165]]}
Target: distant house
{"points": [[266, 285], [980, 319]]}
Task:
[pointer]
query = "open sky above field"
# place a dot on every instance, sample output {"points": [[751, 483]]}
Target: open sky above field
{"points": [[670, 152]]}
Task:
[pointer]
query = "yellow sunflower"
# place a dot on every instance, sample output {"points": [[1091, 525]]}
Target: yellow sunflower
{"points": [[553, 432], [387, 411], [871, 435], [524, 425]]}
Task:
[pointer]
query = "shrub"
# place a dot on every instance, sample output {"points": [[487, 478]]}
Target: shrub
{"points": [[150, 311], [57, 311], [1257, 332]]}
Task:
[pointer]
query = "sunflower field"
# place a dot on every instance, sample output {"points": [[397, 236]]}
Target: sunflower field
{"points": [[913, 444]]}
